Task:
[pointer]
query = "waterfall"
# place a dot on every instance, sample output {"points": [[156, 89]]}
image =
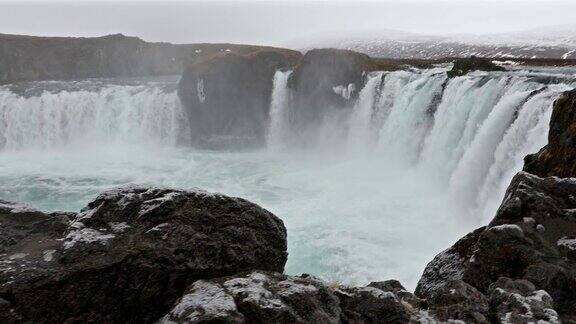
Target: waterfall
{"points": [[360, 128], [107, 114], [278, 130], [526, 135], [409, 120], [474, 165], [469, 134]]}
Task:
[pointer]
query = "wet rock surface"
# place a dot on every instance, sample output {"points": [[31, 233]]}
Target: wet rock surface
{"points": [[532, 238], [227, 97], [326, 79], [263, 297], [558, 157], [129, 254]]}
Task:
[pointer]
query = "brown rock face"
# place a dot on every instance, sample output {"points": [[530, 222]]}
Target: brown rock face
{"points": [[228, 97], [129, 255], [558, 158]]}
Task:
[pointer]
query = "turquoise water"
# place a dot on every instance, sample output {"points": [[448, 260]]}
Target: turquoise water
{"points": [[348, 220]]}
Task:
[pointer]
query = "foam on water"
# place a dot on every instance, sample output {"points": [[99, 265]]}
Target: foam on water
{"points": [[411, 146]]}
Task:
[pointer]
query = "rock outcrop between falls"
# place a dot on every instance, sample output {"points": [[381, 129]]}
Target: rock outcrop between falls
{"points": [[29, 58], [464, 65], [129, 254], [326, 79], [227, 97], [558, 157]]}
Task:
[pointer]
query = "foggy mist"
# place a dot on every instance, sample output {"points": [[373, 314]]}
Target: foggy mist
{"points": [[278, 23]]}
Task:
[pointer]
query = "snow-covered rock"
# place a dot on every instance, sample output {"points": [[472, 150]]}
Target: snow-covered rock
{"points": [[129, 254], [531, 238]]}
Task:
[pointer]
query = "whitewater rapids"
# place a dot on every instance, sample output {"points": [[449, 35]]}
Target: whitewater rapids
{"points": [[417, 162]]}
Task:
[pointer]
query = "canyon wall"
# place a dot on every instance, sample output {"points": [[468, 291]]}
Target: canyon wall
{"points": [[30, 58]]}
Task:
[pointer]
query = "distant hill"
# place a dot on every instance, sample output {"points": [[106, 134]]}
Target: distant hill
{"points": [[552, 42], [28, 58]]}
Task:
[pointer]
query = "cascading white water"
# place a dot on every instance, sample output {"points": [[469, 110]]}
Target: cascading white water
{"points": [[360, 128], [466, 103], [411, 148], [526, 135], [409, 119], [471, 142], [278, 130], [111, 114]]}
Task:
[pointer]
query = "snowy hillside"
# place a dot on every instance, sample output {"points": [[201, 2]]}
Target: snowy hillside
{"points": [[549, 42]]}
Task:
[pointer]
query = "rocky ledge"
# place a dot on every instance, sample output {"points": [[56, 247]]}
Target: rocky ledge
{"points": [[129, 254], [558, 158]]}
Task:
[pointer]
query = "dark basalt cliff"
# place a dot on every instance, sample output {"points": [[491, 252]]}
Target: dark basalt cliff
{"points": [[129, 255], [328, 78], [464, 65], [558, 158], [228, 97], [530, 247], [325, 79], [29, 58]]}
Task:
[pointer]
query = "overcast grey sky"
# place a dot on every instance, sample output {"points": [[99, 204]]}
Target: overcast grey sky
{"points": [[275, 22]]}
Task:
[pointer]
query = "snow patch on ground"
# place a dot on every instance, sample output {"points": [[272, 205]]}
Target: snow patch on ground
{"points": [[48, 255], [377, 293], [252, 290], [119, 227], [86, 235], [17, 256], [157, 227], [291, 287], [568, 243], [508, 227], [206, 300], [505, 62], [16, 207], [538, 303], [568, 54], [444, 267], [153, 204]]}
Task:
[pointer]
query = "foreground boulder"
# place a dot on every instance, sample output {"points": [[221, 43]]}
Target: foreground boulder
{"points": [[129, 255], [228, 97], [558, 157], [260, 297], [464, 65], [531, 239]]}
